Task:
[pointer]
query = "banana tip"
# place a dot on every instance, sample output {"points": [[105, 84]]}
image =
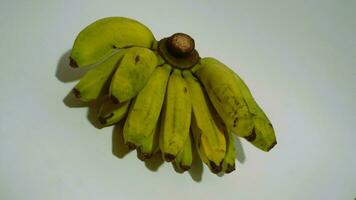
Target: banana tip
{"points": [[131, 146], [230, 168], [102, 120], [76, 93], [146, 156], [215, 168], [73, 63], [169, 157], [272, 145], [184, 167]]}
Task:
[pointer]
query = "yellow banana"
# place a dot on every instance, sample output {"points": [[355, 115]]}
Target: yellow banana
{"points": [[176, 117], [184, 158], [263, 136], [98, 40], [133, 73], [220, 83], [91, 85], [209, 139], [146, 108], [111, 113]]}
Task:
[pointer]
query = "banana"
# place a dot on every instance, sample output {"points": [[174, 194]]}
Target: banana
{"points": [[149, 145], [146, 108], [209, 139], [111, 113], [184, 158], [133, 73], [263, 136], [98, 40], [228, 164], [230, 157], [176, 118], [91, 85], [221, 85]]}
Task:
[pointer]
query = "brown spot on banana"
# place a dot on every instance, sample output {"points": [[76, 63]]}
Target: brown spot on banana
{"points": [[215, 168], [252, 136], [137, 58], [169, 157]]}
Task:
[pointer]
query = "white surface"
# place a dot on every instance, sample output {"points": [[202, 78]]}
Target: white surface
{"points": [[298, 57]]}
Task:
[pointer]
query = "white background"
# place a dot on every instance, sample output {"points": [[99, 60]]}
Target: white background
{"points": [[298, 58]]}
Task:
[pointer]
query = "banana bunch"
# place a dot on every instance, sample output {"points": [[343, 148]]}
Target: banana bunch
{"points": [[170, 99]]}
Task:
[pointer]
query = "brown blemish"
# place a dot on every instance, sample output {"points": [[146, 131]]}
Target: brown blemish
{"points": [[137, 58], [185, 90], [230, 168], [184, 167], [252, 136], [147, 156], [102, 120], [114, 99], [272, 145], [235, 122], [131, 145], [215, 168], [76, 93], [169, 157], [73, 63]]}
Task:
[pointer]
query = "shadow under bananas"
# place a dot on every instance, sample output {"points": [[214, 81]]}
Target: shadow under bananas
{"points": [[71, 101], [65, 73], [240, 153], [196, 169], [120, 150]]}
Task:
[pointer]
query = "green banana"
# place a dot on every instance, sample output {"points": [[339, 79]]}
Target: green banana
{"points": [[176, 119], [263, 136], [111, 113], [184, 158], [173, 102], [228, 164], [146, 108], [91, 85], [230, 157], [221, 85], [133, 73], [149, 145], [209, 139], [98, 40]]}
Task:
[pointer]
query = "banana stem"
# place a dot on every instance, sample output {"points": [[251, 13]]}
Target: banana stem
{"points": [[179, 51]]}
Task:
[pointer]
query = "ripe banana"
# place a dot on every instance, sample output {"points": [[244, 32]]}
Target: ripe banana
{"points": [[184, 158], [146, 108], [98, 40], [220, 84], [91, 85], [111, 113], [176, 117], [209, 139], [133, 73]]}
